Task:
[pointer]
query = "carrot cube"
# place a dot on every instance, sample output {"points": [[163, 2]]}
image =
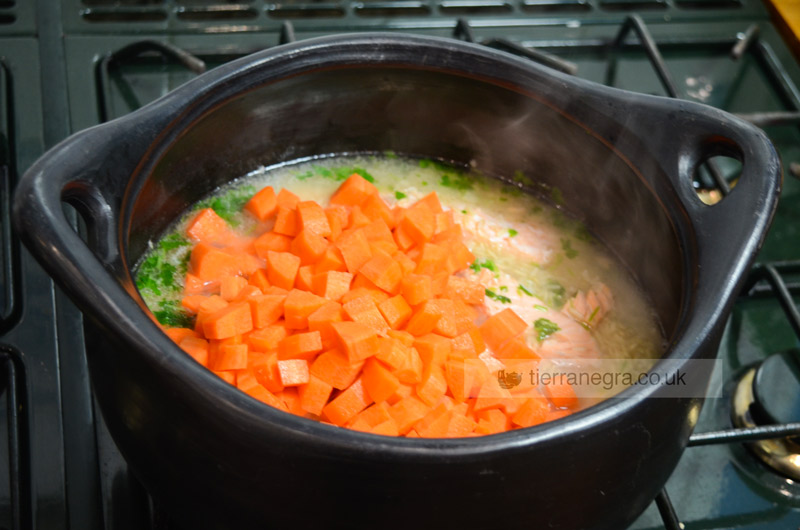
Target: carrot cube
{"points": [[433, 349], [335, 368], [321, 320], [407, 412], [331, 260], [300, 346], [271, 241], [332, 284], [208, 227], [347, 404], [353, 191], [229, 287], [263, 204], [433, 385], [282, 269], [561, 394], [231, 357], [234, 319], [379, 382], [424, 319], [197, 348], [383, 271], [298, 306], [210, 263], [312, 219], [314, 395], [396, 311], [502, 327], [267, 339], [460, 288], [417, 288], [419, 223], [305, 278], [357, 340], [266, 309], [364, 311], [532, 412], [309, 246], [286, 222], [355, 250], [293, 372]]}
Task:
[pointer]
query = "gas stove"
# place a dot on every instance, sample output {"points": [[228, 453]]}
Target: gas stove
{"points": [[68, 65]]}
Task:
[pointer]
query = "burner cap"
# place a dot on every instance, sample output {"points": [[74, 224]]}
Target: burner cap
{"points": [[769, 394], [776, 389]]}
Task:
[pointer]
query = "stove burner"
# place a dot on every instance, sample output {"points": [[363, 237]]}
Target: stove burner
{"points": [[768, 394]]}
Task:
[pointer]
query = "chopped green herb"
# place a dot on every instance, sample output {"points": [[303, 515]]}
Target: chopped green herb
{"points": [[173, 241], [390, 154], [536, 209], [557, 196], [512, 232], [464, 212], [477, 265], [521, 288], [424, 163], [503, 288], [172, 315], [457, 182], [544, 328], [424, 183], [399, 195], [229, 204], [569, 252], [540, 307], [522, 178], [304, 176], [339, 173], [511, 190], [503, 199], [499, 297], [594, 314], [556, 293], [582, 233]]}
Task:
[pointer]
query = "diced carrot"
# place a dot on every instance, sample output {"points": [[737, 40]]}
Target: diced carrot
{"points": [[364, 311], [331, 260], [406, 264], [357, 292], [446, 325], [411, 371], [338, 217], [335, 368], [209, 306], [300, 346], [208, 227], [321, 320], [491, 421], [458, 258], [266, 371], [372, 416], [282, 269], [287, 198], [260, 393], [314, 395], [466, 316], [194, 285], [560, 393], [355, 250], [417, 288], [178, 334], [460, 426], [401, 237], [431, 259], [357, 340], [309, 246], [465, 379], [376, 209], [267, 339], [463, 347], [379, 382], [305, 278], [228, 377], [435, 420], [286, 222], [404, 391], [358, 219], [407, 412], [259, 279], [516, 348], [312, 218], [353, 191], [231, 320], [418, 222], [444, 221], [347, 404], [403, 336], [291, 397], [197, 348], [263, 204], [230, 357], [362, 282], [248, 291], [396, 311], [431, 200], [293, 372], [424, 319], [554, 415], [266, 309], [384, 272], [271, 241], [502, 327], [332, 284], [210, 263], [433, 385], [192, 302], [391, 352], [466, 290], [433, 349], [229, 287], [379, 231], [532, 412], [298, 306]]}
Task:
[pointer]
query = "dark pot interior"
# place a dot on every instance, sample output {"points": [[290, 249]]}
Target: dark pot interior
{"points": [[501, 129]]}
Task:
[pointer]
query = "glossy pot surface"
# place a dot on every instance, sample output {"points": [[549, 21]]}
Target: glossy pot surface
{"points": [[623, 163]]}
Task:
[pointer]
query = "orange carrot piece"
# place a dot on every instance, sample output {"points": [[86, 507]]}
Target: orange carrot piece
{"points": [[230, 357], [312, 218], [210, 263], [465, 379], [376, 208], [178, 334], [265, 368], [383, 271], [271, 241], [335, 368], [234, 319], [332, 284], [458, 258], [516, 348], [266, 309], [403, 336], [208, 227], [406, 264], [357, 292], [396, 311], [267, 339], [286, 222], [305, 278], [444, 221], [431, 259], [417, 288], [259, 279], [229, 287], [192, 302], [463, 347], [353, 191], [502, 327], [372, 416], [347, 404], [431, 200], [460, 288], [446, 325], [314, 395], [298, 306], [407, 412], [263, 205], [321, 320], [434, 423], [460, 425], [561, 394], [411, 371], [291, 399], [197, 348], [331, 260], [433, 385], [491, 421], [433, 349], [379, 231], [304, 346], [309, 246], [466, 315], [288, 199], [387, 428], [532, 412], [379, 382], [418, 222], [355, 250], [293, 372], [424, 319], [228, 377], [391, 352], [338, 217], [194, 285], [357, 340], [554, 415], [404, 391], [248, 291], [364, 311], [282, 269]]}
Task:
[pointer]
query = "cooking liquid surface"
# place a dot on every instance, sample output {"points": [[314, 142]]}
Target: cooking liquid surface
{"points": [[583, 309]]}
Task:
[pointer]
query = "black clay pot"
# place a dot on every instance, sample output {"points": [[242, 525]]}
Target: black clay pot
{"points": [[624, 162]]}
